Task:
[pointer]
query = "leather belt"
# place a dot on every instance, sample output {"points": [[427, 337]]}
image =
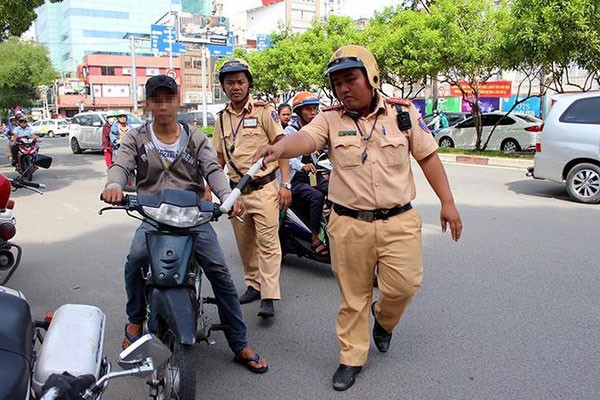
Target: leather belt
{"points": [[256, 184], [372, 215]]}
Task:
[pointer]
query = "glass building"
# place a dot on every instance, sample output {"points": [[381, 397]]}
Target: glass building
{"points": [[73, 28]]}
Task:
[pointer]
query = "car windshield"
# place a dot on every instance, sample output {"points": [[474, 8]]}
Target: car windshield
{"points": [[63, 122], [133, 119]]}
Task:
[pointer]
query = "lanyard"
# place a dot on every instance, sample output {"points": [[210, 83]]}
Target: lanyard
{"points": [[234, 133], [365, 139]]}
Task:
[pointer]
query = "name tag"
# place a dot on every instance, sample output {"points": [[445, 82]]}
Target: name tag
{"points": [[250, 123], [346, 133]]}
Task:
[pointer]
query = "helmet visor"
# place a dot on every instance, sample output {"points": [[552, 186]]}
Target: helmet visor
{"points": [[342, 63]]}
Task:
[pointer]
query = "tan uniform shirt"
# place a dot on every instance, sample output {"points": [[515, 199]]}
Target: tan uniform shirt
{"points": [[384, 179], [255, 126]]}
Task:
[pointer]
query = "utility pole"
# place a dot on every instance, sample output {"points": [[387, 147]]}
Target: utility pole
{"points": [[204, 53], [133, 75]]}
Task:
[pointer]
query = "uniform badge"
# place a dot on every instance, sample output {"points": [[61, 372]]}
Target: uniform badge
{"points": [[250, 123], [423, 125], [275, 116], [347, 133]]}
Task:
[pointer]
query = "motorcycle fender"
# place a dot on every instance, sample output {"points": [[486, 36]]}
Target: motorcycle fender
{"points": [[177, 308]]}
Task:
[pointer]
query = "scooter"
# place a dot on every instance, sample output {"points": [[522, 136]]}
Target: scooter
{"points": [[28, 157], [41, 359], [10, 253], [174, 280], [294, 234]]}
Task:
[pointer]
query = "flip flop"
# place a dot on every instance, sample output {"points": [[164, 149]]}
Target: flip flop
{"points": [[246, 363], [129, 338], [320, 245]]}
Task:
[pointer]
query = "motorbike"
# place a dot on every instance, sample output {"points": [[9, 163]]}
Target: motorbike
{"points": [[10, 253], [175, 305], [28, 157], [42, 359], [294, 234]]}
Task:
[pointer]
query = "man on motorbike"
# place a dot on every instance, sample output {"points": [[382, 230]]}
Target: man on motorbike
{"points": [[167, 154], [22, 130], [307, 198]]}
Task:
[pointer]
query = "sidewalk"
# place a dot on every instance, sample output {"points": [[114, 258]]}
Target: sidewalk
{"points": [[487, 161]]}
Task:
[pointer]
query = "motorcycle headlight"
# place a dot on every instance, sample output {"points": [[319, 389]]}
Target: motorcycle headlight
{"points": [[180, 217]]}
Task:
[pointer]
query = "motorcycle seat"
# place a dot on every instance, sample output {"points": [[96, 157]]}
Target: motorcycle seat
{"points": [[16, 346]]}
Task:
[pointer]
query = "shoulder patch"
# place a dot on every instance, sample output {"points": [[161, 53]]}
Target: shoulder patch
{"points": [[333, 107], [394, 100]]}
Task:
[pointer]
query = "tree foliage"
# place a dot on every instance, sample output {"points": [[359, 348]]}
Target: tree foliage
{"points": [[16, 16], [24, 67]]}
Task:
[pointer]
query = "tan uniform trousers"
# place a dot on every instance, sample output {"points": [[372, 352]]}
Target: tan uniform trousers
{"points": [[258, 240], [356, 247]]}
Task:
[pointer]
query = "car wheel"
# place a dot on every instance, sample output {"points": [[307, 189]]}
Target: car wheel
{"points": [[583, 183], [510, 146], [446, 142], [50, 133], [75, 148]]}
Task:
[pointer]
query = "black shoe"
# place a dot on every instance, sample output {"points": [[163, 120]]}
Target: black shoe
{"points": [[381, 337], [266, 309], [250, 296], [345, 377]]}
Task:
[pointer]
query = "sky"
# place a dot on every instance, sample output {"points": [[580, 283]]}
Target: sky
{"points": [[354, 8]]}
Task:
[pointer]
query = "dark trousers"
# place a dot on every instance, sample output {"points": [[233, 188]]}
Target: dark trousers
{"points": [[210, 257], [308, 200]]}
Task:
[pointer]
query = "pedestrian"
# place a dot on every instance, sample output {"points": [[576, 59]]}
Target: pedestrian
{"points": [[166, 155], [107, 147], [370, 141], [285, 114], [240, 129]]}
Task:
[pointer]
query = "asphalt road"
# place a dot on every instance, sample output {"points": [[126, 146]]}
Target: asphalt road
{"points": [[509, 312]]}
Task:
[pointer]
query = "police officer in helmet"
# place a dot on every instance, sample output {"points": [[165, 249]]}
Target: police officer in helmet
{"points": [[370, 140]]}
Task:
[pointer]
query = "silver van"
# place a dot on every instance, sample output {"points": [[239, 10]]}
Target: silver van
{"points": [[568, 147]]}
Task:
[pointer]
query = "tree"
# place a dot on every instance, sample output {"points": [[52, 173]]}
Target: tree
{"points": [[24, 67], [16, 16]]}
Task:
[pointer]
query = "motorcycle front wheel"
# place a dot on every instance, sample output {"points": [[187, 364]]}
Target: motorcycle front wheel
{"points": [[178, 376]]}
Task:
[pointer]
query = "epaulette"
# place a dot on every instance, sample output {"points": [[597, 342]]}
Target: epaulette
{"points": [[394, 100], [260, 103], [333, 107]]}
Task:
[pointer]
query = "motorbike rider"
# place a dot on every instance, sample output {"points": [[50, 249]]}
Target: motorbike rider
{"points": [[21, 131], [168, 154], [119, 130], [285, 114], [307, 198], [106, 143]]}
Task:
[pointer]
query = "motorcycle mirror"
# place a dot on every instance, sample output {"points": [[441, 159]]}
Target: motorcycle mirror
{"points": [[43, 161], [148, 346]]}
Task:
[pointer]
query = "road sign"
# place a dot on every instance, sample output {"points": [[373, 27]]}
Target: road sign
{"points": [[263, 41], [172, 73], [220, 51], [163, 39]]}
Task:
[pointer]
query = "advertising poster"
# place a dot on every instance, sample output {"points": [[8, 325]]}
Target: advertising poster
{"points": [[530, 107], [486, 104], [449, 104]]}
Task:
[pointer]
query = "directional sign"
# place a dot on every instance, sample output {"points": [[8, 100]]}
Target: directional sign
{"points": [[163, 40], [220, 51], [263, 41]]}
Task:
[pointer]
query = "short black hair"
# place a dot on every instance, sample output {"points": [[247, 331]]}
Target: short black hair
{"points": [[282, 106]]}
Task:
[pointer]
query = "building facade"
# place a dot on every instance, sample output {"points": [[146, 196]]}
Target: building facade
{"points": [[72, 29]]}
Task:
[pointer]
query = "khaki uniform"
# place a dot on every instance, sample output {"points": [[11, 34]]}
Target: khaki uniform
{"points": [[367, 175], [257, 238]]}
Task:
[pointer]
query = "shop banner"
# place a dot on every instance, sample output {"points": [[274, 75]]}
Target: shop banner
{"points": [[486, 89]]}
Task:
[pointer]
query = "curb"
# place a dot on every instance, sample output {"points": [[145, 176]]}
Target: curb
{"points": [[486, 161]]}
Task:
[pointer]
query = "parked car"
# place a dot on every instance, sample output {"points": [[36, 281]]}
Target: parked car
{"points": [[86, 130], [453, 118], [51, 127], [515, 132], [194, 118], [568, 147]]}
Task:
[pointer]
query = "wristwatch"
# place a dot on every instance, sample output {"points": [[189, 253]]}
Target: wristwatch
{"points": [[287, 185]]}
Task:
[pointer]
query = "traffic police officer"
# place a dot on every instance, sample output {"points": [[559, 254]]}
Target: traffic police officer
{"points": [[370, 141], [241, 128]]}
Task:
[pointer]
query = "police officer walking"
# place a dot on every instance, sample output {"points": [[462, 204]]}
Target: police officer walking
{"points": [[370, 141], [241, 129]]}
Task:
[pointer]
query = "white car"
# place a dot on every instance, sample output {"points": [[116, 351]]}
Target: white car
{"points": [[515, 132], [86, 130], [568, 148], [51, 127]]}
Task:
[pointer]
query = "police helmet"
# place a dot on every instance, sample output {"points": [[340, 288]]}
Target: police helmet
{"points": [[304, 99], [353, 56], [235, 65]]}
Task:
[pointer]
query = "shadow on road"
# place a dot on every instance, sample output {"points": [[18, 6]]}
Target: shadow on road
{"points": [[539, 188]]}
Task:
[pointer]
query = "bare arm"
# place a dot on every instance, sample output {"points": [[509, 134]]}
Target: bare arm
{"points": [[436, 176], [221, 159], [289, 147]]}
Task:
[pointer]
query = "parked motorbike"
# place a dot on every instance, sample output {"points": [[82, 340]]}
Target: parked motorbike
{"points": [[28, 157], [174, 280], [10, 253], [43, 359], [294, 234]]}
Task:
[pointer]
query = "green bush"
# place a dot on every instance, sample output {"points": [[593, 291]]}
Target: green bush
{"points": [[208, 131]]}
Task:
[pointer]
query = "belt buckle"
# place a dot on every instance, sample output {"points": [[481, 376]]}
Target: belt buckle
{"points": [[366, 216]]}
